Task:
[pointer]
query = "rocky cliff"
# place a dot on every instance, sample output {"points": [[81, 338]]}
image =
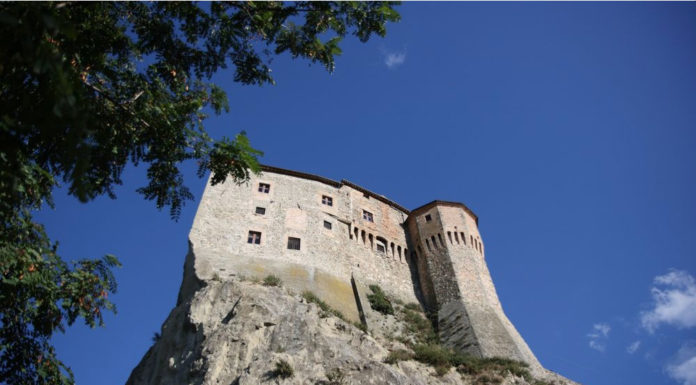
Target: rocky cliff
{"points": [[242, 330]]}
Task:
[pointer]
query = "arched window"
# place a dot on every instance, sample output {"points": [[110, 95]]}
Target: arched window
{"points": [[427, 244], [362, 235], [449, 235], [432, 238], [463, 238], [456, 237], [398, 250], [439, 237], [372, 241], [393, 250], [472, 240]]}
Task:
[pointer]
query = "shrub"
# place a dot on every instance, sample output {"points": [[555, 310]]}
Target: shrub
{"points": [[271, 280], [437, 356], [413, 306], [325, 308], [379, 301], [335, 377], [398, 355], [283, 369], [420, 327], [500, 366]]}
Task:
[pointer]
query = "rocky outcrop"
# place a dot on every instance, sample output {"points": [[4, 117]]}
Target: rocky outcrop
{"points": [[235, 331]]}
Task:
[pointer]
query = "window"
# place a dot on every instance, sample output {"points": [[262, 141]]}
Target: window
{"points": [[380, 247], [261, 210], [428, 218], [327, 200], [327, 225], [254, 237], [293, 243], [367, 216], [264, 188]]}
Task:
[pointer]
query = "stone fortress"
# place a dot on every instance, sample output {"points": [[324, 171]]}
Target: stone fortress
{"points": [[337, 238]]}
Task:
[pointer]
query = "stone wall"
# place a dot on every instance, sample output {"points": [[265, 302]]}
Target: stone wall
{"points": [[296, 206]]}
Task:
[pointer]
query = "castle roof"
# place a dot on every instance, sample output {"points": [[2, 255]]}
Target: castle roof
{"points": [[381, 198]]}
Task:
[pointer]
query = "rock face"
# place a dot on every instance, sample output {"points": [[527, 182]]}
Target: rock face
{"points": [[234, 331]]}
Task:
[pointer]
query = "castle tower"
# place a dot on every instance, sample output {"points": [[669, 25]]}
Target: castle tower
{"points": [[454, 280]]}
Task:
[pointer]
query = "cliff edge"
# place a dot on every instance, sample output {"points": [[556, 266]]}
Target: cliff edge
{"points": [[242, 330]]}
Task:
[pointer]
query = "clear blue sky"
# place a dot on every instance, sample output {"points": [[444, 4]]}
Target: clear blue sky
{"points": [[569, 128]]}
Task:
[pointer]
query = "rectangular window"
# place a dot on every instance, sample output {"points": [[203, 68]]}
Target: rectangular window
{"points": [[327, 200], [367, 216], [264, 188], [261, 210], [428, 218], [254, 237], [380, 248], [327, 225], [293, 243]]}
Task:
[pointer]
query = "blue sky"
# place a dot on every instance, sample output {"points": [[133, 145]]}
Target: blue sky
{"points": [[567, 127]]}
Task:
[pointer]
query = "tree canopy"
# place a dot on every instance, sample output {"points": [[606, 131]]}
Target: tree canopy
{"points": [[88, 88]]}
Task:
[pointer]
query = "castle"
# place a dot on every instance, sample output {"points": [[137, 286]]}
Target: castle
{"points": [[337, 238]]}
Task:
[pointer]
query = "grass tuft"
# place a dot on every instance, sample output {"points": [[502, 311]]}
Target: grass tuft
{"points": [[283, 369], [326, 310], [272, 280], [398, 355], [379, 301]]}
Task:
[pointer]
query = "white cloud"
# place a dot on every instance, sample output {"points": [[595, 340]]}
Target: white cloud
{"points": [[684, 367], [632, 348], [394, 59], [599, 336], [674, 301]]}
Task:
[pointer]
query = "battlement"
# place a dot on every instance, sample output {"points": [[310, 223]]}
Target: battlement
{"points": [[316, 233]]}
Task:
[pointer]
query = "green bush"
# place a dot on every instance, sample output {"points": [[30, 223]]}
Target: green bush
{"points": [[379, 301], [413, 306], [335, 377], [325, 308], [398, 355], [283, 369], [419, 327], [271, 280]]}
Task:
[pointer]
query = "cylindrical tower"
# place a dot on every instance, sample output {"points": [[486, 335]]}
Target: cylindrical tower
{"points": [[456, 283]]}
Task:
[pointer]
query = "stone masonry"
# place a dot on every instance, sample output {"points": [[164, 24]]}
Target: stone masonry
{"points": [[316, 233]]}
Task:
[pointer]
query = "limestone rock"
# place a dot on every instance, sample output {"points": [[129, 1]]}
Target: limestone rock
{"points": [[235, 331]]}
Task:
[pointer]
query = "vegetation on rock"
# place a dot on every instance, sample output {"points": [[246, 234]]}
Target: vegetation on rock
{"points": [[272, 280], [283, 369], [379, 301]]}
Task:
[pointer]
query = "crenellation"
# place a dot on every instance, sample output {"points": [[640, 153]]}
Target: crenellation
{"points": [[316, 234]]}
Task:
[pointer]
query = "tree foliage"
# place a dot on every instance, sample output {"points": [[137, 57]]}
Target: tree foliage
{"points": [[88, 88]]}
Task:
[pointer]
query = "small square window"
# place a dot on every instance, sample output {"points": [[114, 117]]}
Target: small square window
{"points": [[261, 210], [368, 216], [254, 237], [327, 225], [428, 218], [264, 188], [293, 243], [327, 200]]}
